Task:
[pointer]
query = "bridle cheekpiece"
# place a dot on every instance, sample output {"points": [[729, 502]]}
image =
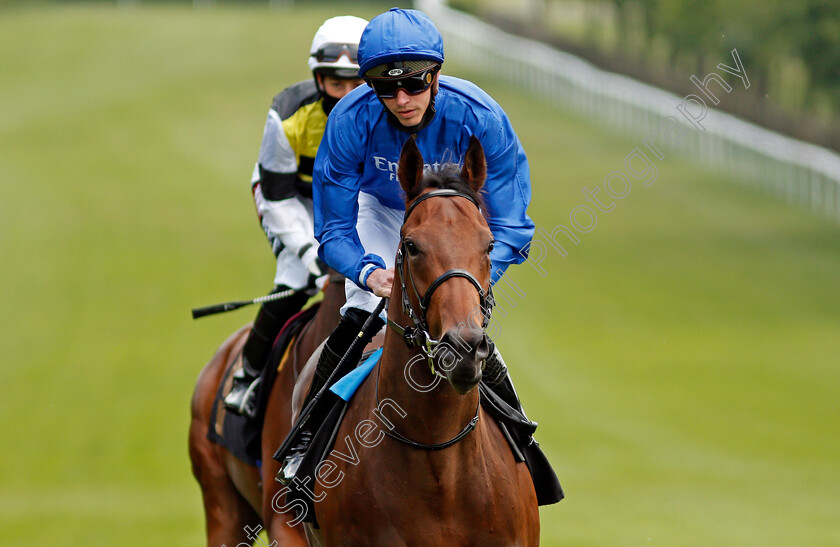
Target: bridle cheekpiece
{"points": [[417, 336]]}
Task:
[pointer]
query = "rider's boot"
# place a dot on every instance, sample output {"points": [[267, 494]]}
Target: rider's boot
{"points": [[521, 430], [246, 381], [335, 348], [497, 378]]}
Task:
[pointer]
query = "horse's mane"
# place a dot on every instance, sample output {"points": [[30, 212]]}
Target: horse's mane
{"points": [[448, 176]]}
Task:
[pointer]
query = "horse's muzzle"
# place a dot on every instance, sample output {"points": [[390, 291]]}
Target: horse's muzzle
{"points": [[461, 355]]}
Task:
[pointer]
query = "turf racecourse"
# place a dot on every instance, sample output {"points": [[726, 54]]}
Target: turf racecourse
{"points": [[682, 359]]}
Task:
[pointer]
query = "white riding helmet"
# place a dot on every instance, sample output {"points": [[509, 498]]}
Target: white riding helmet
{"points": [[335, 47]]}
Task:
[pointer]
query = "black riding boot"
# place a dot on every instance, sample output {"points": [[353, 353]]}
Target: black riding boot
{"points": [[246, 381], [335, 348], [519, 430], [497, 378]]}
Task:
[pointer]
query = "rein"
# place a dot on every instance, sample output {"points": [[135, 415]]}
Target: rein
{"points": [[423, 446], [417, 336]]}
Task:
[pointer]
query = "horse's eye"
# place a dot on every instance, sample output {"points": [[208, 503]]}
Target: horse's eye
{"points": [[411, 247], [490, 247]]}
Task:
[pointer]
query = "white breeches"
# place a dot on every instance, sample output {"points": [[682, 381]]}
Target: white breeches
{"points": [[379, 232], [291, 220]]}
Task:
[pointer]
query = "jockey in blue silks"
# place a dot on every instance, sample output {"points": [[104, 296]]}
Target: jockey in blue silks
{"points": [[358, 202]]}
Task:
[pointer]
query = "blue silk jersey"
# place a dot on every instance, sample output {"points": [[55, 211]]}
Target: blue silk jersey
{"points": [[360, 151]]}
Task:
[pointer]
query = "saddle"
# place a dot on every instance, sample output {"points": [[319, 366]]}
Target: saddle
{"points": [[242, 436]]}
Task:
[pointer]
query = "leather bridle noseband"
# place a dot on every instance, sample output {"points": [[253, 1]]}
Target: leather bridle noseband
{"points": [[418, 336]]}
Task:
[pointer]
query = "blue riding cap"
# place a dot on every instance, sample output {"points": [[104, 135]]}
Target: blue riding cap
{"points": [[399, 35]]}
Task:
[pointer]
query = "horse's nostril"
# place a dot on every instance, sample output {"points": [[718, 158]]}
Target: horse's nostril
{"points": [[464, 347]]}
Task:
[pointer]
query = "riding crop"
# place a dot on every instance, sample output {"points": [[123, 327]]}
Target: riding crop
{"points": [[230, 306], [304, 415]]}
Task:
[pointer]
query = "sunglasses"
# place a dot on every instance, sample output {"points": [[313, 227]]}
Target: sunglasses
{"points": [[329, 53], [411, 84]]}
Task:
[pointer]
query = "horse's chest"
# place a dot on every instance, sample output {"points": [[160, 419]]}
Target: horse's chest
{"points": [[432, 505]]}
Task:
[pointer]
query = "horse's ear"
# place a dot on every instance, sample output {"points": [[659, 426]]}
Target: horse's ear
{"points": [[475, 166], [410, 170]]}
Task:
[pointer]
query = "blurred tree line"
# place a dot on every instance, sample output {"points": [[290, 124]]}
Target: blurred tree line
{"points": [[790, 48]]}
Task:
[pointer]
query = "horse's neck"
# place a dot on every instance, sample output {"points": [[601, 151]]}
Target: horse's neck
{"points": [[328, 313], [434, 415]]}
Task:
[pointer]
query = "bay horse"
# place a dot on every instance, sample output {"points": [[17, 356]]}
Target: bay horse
{"points": [[440, 472], [434, 469], [236, 505]]}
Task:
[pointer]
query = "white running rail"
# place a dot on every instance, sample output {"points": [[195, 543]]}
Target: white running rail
{"points": [[799, 172]]}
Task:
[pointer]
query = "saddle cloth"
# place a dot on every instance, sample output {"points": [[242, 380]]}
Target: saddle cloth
{"points": [[242, 436]]}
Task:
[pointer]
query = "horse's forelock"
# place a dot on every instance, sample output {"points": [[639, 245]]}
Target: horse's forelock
{"points": [[448, 176]]}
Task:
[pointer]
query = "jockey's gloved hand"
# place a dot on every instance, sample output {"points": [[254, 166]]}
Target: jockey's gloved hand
{"points": [[316, 284], [317, 268], [312, 262]]}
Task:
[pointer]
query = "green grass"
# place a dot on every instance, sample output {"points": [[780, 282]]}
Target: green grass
{"points": [[686, 352], [682, 360]]}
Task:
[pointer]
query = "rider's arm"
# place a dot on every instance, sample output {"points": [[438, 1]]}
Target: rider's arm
{"points": [[276, 197], [507, 193], [336, 182]]}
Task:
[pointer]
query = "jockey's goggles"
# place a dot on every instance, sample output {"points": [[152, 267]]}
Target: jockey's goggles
{"points": [[413, 83], [329, 53]]}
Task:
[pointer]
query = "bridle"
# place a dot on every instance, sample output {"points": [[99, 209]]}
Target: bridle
{"points": [[417, 336]]}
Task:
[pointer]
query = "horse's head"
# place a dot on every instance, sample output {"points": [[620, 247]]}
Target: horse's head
{"points": [[444, 261]]}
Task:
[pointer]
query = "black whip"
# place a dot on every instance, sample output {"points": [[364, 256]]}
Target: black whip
{"points": [[230, 306]]}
